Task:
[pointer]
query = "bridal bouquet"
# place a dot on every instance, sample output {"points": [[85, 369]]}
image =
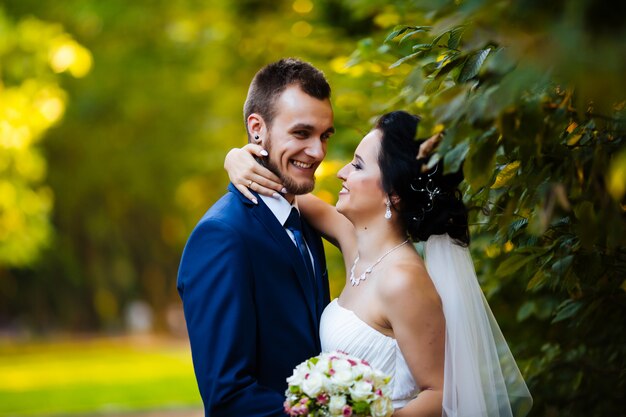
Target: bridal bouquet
{"points": [[337, 385]]}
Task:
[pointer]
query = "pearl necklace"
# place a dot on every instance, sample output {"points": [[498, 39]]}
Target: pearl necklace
{"points": [[357, 281]]}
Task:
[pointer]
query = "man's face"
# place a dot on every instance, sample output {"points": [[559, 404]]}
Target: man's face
{"points": [[296, 141]]}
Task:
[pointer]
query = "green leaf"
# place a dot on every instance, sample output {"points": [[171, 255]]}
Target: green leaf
{"points": [[396, 33], [472, 65], [514, 263], [432, 85], [438, 38], [506, 174], [516, 226], [413, 32], [422, 47], [451, 62], [404, 59], [361, 408], [526, 310], [561, 266], [430, 68], [455, 37], [567, 309], [452, 160]]}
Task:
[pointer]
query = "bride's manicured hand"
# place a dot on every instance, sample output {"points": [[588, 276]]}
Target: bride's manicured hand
{"points": [[247, 174]]}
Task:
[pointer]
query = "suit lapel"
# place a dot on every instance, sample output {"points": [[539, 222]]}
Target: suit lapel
{"points": [[265, 216]]}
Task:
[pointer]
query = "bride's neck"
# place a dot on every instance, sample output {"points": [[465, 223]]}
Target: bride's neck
{"points": [[376, 238]]}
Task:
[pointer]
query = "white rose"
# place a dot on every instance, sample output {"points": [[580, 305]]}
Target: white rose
{"points": [[361, 390], [323, 365], [298, 375], [365, 371], [312, 384], [341, 365], [380, 378], [342, 378], [336, 403], [381, 407]]}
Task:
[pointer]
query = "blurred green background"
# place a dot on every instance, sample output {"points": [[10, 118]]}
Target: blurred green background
{"points": [[115, 117]]}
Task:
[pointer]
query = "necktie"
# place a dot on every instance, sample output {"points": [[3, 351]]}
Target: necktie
{"points": [[294, 224]]}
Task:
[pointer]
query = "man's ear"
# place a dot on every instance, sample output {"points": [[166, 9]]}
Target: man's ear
{"points": [[257, 129]]}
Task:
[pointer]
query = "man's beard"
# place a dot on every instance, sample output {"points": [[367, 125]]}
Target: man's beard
{"points": [[290, 185]]}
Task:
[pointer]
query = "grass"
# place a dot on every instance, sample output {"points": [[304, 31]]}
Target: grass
{"points": [[96, 376]]}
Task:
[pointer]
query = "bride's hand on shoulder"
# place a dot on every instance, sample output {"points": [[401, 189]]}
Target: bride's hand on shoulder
{"points": [[247, 174]]}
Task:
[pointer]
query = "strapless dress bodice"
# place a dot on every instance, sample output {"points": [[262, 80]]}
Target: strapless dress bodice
{"points": [[341, 329]]}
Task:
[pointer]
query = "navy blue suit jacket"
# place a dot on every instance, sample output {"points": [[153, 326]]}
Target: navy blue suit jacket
{"points": [[252, 313]]}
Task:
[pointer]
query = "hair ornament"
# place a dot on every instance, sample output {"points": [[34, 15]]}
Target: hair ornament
{"points": [[425, 184]]}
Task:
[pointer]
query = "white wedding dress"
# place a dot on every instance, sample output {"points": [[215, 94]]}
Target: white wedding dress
{"points": [[341, 329], [481, 378]]}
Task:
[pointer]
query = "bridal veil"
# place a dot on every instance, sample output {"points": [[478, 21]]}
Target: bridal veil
{"points": [[481, 378]]}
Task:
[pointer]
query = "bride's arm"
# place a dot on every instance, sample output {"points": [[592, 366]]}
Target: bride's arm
{"points": [[334, 226], [413, 310]]}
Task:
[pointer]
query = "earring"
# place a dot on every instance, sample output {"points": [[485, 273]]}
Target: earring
{"points": [[256, 137], [388, 210]]}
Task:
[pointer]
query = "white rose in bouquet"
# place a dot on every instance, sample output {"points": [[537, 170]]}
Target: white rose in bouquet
{"points": [[380, 407], [298, 374], [341, 378], [323, 365], [336, 404], [361, 391], [312, 384]]}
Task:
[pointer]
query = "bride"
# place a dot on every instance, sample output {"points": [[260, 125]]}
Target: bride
{"points": [[424, 322]]}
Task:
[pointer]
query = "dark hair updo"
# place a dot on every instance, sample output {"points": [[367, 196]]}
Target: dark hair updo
{"points": [[430, 202]]}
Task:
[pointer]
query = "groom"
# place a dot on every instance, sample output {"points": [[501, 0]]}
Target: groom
{"points": [[253, 277]]}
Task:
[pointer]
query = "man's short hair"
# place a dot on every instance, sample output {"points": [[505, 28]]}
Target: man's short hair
{"points": [[274, 78]]}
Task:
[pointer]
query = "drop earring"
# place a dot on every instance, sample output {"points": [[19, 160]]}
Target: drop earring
{"points": [[388, 210]]}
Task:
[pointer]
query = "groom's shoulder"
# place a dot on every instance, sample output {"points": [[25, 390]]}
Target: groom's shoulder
{"points": [[229, 210]]}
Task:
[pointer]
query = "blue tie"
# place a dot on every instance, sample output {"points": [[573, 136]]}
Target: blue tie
{"points": [[294, 224]]}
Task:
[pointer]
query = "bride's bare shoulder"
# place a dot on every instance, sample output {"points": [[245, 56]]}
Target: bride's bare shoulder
{"points": [[407, 281]]}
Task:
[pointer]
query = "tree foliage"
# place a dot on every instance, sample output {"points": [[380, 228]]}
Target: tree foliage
{"points": [[32, 53], [536, 115]]}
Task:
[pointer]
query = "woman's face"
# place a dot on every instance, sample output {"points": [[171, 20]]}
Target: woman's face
{"points": [[362, 195]]}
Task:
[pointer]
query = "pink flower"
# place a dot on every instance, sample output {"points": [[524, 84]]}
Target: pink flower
{"points": [[351, 362], [304, 401], [287, 407], [347, 411], [323, 398], [299, 410], [331, 372], [379, 392]]}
